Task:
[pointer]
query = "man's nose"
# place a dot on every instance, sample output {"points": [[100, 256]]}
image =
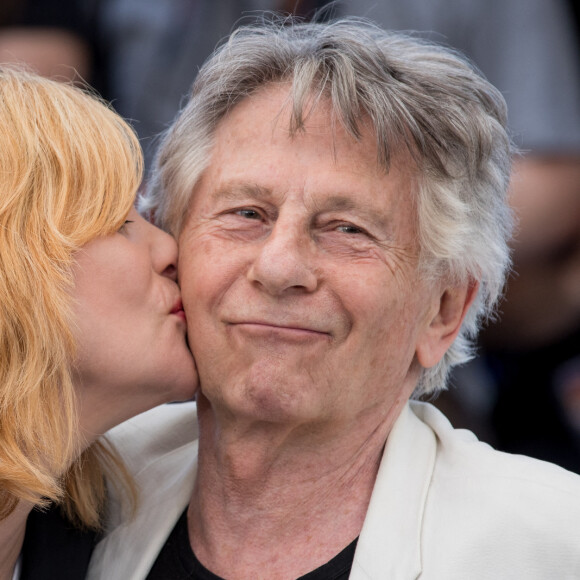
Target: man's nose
{"points": [[284, 261]]}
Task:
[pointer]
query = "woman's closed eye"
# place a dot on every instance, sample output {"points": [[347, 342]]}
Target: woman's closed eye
{"points": [[123, 228]]}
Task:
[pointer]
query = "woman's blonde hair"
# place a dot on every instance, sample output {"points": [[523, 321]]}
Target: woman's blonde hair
{"points": [[69, 171]]}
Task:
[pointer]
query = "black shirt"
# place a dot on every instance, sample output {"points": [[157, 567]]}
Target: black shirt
{"points": [[176, 561], [54, 548]]}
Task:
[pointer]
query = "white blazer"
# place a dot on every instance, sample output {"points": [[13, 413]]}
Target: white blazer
{"points": [[444, 507]]}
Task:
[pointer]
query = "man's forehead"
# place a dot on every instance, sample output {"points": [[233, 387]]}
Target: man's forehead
{"points": [[246, 149], [273, 106]]}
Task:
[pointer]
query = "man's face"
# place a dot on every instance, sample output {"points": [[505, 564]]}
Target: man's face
{"points": [[298, 267]]}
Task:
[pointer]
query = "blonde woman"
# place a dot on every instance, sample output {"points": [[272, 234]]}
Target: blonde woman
{"points": [[92, 330]]}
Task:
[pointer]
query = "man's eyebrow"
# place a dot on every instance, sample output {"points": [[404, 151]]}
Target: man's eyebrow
{"points": [[233, 190], [236, 190], [347, 203]]}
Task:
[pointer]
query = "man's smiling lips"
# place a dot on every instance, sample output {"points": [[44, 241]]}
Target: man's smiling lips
{"points": [[272, 330]]}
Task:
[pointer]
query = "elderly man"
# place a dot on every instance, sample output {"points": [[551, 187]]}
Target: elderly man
{"points": [[339, 195]]}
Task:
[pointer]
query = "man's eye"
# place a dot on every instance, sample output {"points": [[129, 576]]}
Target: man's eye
{"points": [[250, 214], [350, 229]]}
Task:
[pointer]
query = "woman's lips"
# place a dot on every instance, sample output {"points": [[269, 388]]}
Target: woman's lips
{"points": [[178, 311]]}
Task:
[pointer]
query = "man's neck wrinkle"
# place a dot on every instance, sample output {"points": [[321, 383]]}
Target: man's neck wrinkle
{"points": [[262, 500]]}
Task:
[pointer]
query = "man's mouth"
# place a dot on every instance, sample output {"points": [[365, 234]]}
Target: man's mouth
{"points": [[274, 330]]}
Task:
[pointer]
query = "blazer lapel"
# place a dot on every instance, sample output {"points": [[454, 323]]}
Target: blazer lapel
{"points": [[389, 544]]}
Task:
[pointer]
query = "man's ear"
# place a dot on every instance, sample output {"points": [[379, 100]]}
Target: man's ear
{"points": [[444, 323]]}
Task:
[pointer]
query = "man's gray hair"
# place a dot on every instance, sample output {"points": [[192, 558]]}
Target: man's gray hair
{"points": [[418, 95]]}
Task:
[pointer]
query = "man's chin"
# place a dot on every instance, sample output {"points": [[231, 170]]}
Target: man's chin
{"points": [[270, 401]]}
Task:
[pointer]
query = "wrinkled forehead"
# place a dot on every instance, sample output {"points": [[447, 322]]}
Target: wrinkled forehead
{"points": [[298, 107], [256, 157], [272, 114]]}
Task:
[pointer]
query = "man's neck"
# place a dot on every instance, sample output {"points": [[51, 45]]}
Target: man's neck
{"points": [[281, 499]]}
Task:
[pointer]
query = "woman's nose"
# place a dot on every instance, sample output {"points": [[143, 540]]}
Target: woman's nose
{"points": [[164, 253]]}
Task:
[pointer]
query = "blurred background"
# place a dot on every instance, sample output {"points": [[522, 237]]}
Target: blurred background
{"points": [[522, 391]]}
